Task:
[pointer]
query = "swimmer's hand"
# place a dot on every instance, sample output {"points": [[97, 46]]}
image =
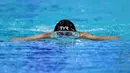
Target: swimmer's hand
{"points": [[46, 35], [93, 37], [114, 38]]}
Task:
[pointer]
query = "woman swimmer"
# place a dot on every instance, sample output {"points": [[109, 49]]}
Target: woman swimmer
{"points": [[66, 28]]}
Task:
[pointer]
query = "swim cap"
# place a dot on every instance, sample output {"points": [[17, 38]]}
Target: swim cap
{"points": [[65, 25]]}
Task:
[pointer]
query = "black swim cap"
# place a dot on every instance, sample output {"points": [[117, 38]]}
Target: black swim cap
{"points": [[65, 25]]}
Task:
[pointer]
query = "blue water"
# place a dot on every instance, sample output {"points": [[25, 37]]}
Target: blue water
{"points": [[30, 17]]}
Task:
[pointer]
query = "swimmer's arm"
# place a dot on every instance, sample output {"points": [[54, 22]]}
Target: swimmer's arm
{"points": [[46, 35], [93, 37]]}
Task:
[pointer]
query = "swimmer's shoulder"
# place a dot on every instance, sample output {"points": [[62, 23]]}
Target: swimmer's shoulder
{"points": [[46, 35], [83, 34]]}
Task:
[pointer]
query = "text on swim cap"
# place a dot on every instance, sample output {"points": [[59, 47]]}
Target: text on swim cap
{"points": [[64, 27]]}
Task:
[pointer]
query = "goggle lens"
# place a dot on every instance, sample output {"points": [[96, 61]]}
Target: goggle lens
{"points": [[60, 34]]}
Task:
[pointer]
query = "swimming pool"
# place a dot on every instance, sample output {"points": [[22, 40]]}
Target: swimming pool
{"points": [[30, 17]]}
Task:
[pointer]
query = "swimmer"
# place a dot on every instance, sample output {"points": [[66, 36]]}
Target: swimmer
{"points": [[66, 28]]}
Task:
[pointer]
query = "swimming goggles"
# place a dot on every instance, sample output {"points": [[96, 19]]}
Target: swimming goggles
{"points": [[57, 34], [64, 33]]}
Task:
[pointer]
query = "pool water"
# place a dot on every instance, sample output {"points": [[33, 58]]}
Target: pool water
{"points": [[30, 17], [78, 57]]}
